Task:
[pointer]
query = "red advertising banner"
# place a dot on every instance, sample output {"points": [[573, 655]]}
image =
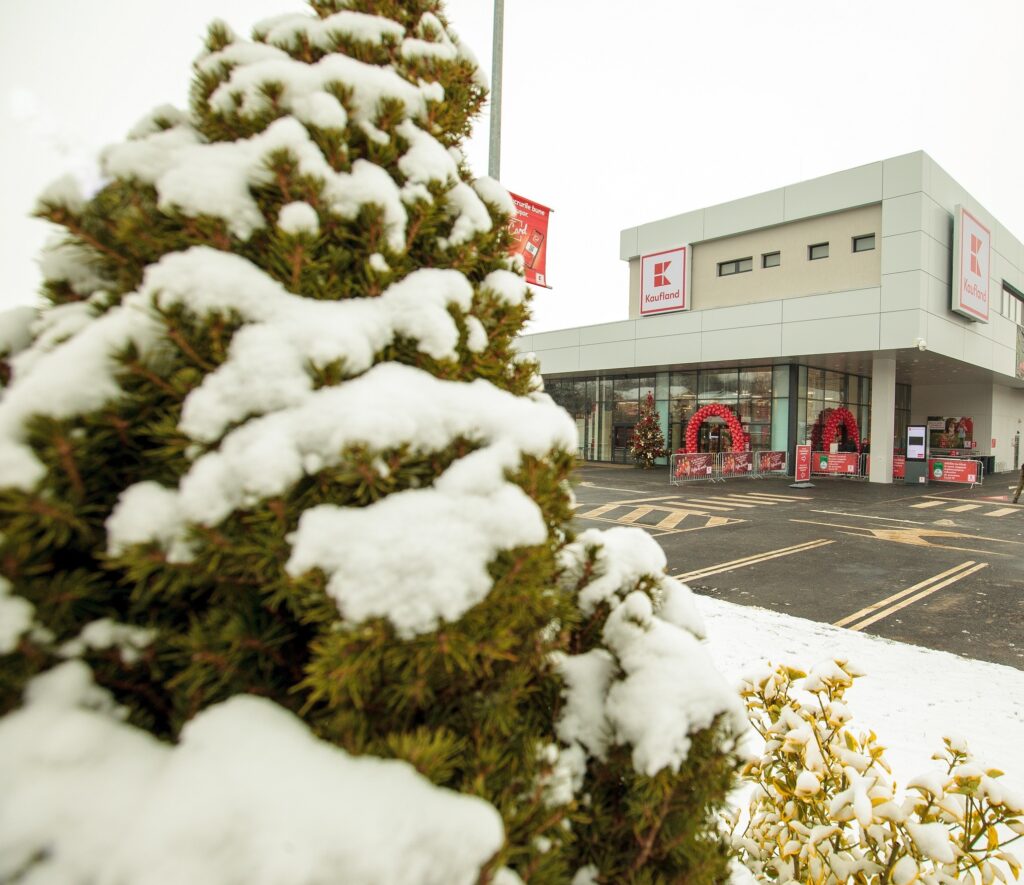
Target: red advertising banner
{"points": [[529, 229], [771, 462], [841, 463], [737, 463], [899, 466], [803, 463], [691, 466], [945, 470]]}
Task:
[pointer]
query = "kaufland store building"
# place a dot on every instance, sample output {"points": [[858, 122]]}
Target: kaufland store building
{"points": [[886, 289]]}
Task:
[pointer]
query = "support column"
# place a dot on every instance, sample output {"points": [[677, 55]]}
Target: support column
{"points": [[883, 418]]}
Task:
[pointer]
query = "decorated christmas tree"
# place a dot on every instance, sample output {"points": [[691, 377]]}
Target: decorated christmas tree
{"points": [[647, 442], [289, 591]]}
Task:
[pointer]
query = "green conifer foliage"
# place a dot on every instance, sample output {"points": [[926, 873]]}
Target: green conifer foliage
{"points": [[647, 442], [288, 316]]}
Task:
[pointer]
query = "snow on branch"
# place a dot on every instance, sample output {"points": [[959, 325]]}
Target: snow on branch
{"points": [[248, 795]]}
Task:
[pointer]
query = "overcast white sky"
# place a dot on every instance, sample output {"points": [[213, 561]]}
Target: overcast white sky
{"points": [[614, 114]]}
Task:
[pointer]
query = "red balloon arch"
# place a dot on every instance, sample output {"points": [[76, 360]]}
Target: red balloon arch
{"points": [[740, 440], [831, 426]]}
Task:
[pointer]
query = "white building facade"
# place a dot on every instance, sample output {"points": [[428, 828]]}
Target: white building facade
{"points": [[886, 289]]}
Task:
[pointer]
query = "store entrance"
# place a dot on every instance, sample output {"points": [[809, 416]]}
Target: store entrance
{"points": [[623, 434], [714, 436]]}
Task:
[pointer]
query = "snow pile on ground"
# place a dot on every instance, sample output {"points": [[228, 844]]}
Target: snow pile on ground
{"points": [[248, 796], [910, 696]]}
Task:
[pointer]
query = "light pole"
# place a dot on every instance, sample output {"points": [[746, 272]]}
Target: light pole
{"points": [[494, 152]]}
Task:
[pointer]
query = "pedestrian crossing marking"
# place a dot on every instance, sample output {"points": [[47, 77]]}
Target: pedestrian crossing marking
{"points": [[963, 507], [924, 504], [1002, 511]]}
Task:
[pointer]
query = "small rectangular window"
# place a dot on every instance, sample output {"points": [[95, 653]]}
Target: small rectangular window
{"points": [[864, 243], [771, 259], [818, 250], [737, 265]]}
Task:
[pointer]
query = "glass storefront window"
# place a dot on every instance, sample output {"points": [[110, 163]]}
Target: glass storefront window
{"points": [[814, 383], [756, 382], [719, 386], [780, 381], [834, 387], [683, 383]]}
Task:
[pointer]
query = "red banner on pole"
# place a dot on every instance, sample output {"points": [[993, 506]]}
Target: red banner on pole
{"points": [[529, 229]]}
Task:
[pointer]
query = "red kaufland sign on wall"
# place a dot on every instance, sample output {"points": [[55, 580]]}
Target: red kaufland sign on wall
{"points": [[972, 246], [663, 282]]}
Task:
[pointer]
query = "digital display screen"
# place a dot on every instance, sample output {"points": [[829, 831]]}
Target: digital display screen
{"points": [[916, 449]]}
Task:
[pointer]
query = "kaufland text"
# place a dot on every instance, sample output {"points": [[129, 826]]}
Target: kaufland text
{"points": [[975, 291]]}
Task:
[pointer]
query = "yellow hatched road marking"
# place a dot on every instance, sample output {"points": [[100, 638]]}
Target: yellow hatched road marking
{"points": [[716, 503], [600, 511], [636, 514], [924, 504], [883, 608], [673, 519], [753, 560]]}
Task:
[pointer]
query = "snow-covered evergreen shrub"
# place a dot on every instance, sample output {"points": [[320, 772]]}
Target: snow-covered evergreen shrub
{"points": [[826, 810], [289, 589]]}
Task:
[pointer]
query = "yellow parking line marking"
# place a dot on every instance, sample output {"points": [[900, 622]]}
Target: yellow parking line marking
{"points": [[753, 560], [928, 504], [634, 515], [873, 608], [865, 516], [960, 573], [1002, 511], [963, 507]]}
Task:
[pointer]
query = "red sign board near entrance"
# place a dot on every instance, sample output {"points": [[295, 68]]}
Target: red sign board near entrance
{"points": [[803, 463], [953, 471], [843, 463]]}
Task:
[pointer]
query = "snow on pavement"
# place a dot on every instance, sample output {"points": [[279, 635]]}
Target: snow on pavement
{"points": [[911, 696]]}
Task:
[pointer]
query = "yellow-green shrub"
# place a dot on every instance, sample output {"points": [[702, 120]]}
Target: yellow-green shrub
{"points": [[825, 808]]}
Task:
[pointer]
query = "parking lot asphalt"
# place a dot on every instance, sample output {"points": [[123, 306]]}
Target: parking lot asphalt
{"points": [[936, 565]]}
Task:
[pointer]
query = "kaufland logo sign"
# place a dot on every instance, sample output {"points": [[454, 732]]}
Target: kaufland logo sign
{"points": [[970, 283], [663, 282]]}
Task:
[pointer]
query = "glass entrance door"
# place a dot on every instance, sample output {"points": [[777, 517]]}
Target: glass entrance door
{"points": [[714, 438]]}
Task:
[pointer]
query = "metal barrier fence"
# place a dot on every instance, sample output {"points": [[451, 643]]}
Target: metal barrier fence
{"points": [[849, 465], [710, 467]]}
